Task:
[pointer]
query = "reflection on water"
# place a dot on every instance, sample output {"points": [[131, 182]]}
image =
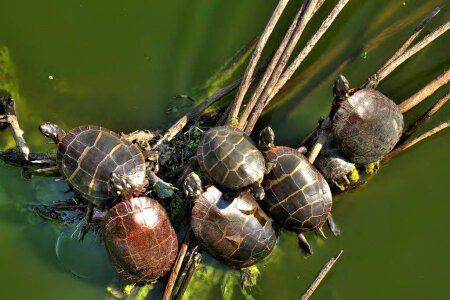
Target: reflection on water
{"points": [[119, 65]]}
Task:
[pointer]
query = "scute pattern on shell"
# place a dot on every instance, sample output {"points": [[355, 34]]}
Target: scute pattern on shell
{"points": [[87, 156], [237, 233], [140, 240], [367, 126], [297, 195], [230, 158]]}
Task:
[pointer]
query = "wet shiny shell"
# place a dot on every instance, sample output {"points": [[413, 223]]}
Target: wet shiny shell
{"points": [[140, 240], [367, 126], [230, 158], [237, 233], [331, 162], [297, 195], [88, 155]]}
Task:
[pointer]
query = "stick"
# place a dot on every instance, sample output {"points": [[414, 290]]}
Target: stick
{"points": [[176, 267], [323, 272], [273, 63], [188, 277], [318, 146], [372, 81], [418, 139], [413, 128], [381, 74], [9, 116], [245, 84], [271, 92], [17, 158], [425, 92]]}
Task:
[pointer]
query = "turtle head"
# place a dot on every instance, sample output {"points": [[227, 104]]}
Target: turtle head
{"points": [[52, 131], [266, 139], [121, 185], [192, 185], [340, 88]]}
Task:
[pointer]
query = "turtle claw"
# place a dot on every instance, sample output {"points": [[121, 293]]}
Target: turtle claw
{"points": [[303, 243], [332, 225], [249, 276]]}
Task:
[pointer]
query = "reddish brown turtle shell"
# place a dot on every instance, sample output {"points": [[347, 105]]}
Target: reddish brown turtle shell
{"points": [[230, 158], [297, 195], [140, 240], [238, 233], [367, 126], [87, 155]]}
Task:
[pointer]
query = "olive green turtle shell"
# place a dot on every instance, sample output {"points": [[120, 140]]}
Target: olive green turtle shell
{"points": [[229, 157], [297, 195], [87, 155]]}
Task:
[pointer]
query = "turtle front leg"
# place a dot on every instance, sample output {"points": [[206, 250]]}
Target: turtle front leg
{"points": [[257, 191], [332, 225], [303, 243], [249, 276], [84, 223]]}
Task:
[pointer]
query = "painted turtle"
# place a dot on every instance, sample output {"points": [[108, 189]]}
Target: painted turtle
{"points": [[229, 158], [139, 238], [87, 155], [365, 123], [238, 233], [297, 195], [333, 165]]}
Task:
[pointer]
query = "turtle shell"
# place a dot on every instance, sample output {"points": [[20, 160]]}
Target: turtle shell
{"points": [[229, 157], [140, 240], [297, 195], [330, 161], [238, 233], [367, 126], [87, 155]]}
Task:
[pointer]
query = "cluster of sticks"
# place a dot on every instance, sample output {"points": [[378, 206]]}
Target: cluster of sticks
{"points": [[272, 75]]}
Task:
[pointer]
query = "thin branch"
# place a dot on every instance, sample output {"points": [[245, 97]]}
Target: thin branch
{"points": [[323, 272], [425, 92], [271, 92], [176, 267], [382, 73], [372, 82], [190, 272], [413, 128], [245, 84], [418, 139]]}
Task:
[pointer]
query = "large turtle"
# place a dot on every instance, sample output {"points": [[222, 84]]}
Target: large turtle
{"points": [[365, 123], [230, 159], [139, 238], [87, 155], [238, 232], [297, 195]]}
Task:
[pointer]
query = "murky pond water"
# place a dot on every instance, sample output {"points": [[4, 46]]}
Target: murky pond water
{"points": [[119, 65]]}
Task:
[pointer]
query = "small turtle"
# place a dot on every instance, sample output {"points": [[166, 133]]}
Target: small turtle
{"points": [[139, 238], [87, 155], [297, 195], [333, 165], [365, 123], [238, 233], [230, 159]]}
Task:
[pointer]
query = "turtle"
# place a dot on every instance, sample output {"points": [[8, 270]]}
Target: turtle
{"points": [[238, 233], [333, 165], [87, 155], [230, 159], [297, 195], [366, 124], [139, 238]]}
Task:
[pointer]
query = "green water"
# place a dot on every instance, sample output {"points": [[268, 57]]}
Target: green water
{"points": [[119, 64]]}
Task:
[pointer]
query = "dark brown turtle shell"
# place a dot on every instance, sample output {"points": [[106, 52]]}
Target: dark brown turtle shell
{"points": [[238, 233], [297, 195], [367, 126], [87, 155], [330, 162], [140, 240], [229, 157]]}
